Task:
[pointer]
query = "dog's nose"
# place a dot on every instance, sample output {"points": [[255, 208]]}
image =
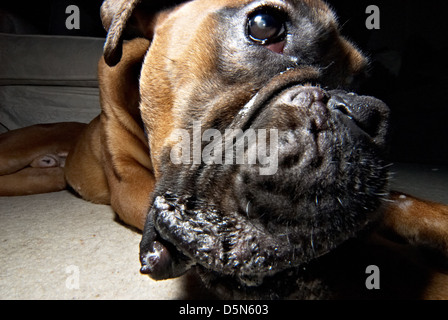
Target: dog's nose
{"points": [[371, 115], [305, 96], [312, 102]]}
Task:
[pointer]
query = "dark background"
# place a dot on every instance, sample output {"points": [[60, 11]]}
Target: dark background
{"points": [[409, 69]]}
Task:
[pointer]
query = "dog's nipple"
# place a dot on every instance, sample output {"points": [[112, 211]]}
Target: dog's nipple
{"points": [[45, 161]]}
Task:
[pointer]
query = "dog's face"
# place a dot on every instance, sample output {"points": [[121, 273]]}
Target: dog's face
{"points": [[226, 72]]}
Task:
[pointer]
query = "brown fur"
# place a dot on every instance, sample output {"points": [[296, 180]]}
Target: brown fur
{"points": [[113, 151]]}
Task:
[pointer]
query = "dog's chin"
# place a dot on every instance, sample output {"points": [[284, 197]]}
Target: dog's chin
{"points": [[297, 283], [250, 229]]}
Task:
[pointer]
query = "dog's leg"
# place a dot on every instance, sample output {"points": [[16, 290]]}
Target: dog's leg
{"points": [[129, 174], [32, 180], [420, 222], [101, 172], [130, 196], [84, 169], [32, 158], [124, 149]]}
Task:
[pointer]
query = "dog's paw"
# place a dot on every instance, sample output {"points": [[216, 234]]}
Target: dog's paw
{"points": [[419, 222]]}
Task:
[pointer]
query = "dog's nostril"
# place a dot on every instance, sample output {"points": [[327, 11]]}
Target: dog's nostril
{"points": [[337, 103], [366, 113]]}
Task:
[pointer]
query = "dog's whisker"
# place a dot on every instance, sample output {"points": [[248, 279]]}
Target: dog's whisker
{"points": [[312, 240], [387, 166], [327, 66], [381, 194], [340, 202], [248, 208]]}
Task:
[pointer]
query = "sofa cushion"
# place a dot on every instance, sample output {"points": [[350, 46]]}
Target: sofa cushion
{"points": [[49, 60], [22, 106]]}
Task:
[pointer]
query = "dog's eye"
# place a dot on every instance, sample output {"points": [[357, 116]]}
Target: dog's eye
{"points": [[266, 26]]}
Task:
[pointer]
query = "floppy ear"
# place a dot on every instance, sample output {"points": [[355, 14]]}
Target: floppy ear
{"points": [[129, 18], [115, 14]]}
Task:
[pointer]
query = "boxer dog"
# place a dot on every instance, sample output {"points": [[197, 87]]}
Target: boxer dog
{"points": [[305, 219]]}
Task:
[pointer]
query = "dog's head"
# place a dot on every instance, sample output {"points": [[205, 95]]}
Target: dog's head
{"points": [[263, 162]]}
